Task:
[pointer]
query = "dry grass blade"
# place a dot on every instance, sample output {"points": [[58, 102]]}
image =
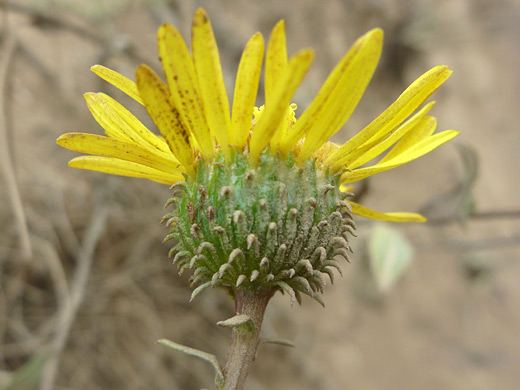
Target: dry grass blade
{"points": [[5, 156]]}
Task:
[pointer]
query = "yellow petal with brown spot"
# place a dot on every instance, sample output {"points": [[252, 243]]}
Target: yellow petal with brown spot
{"points": [[209, 74], [183, 84], [167, 118], [112, 147]]}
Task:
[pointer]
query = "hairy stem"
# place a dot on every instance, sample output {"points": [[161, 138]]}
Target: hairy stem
{"points": [[245, 338]]}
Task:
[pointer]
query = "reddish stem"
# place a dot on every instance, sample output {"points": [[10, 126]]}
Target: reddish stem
{"points": [[245, 338]]}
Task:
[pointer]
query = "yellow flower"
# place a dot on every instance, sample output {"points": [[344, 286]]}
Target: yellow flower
{"points": [[192, 113]]}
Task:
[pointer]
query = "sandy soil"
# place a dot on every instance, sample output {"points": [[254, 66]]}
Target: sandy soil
{"points": [[453, 321]]}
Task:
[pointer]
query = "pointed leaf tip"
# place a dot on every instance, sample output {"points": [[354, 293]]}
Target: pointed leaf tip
{"points": [[236, 321], [210, 358], [199, 289]]}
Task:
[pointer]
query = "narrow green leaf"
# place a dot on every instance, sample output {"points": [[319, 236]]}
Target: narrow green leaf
{"points": [[282, 342], [219, 376]]}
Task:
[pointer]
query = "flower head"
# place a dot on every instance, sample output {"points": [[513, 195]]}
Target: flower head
{"points": [[256, 192]]}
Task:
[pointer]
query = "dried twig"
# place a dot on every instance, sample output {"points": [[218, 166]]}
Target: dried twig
{"points": [[478, 215], [5, 156], [41, 17], [77, 290]]}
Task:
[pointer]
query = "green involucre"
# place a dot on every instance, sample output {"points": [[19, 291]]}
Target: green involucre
{"points": [[275, 226]]}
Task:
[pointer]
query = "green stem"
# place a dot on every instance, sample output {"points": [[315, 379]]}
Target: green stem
{"points": [[245, 338]]}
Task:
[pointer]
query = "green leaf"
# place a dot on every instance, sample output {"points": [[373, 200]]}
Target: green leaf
{"points": [[390, 255], [238, 320], [282, 342], [210, 358]]}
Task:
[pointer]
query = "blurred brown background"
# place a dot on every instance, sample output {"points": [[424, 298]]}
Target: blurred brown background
{"points": [[76, 239]]}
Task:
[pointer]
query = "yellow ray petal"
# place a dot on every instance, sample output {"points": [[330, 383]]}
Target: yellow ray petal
{"points": [[120, 124], [119, 81], [167, 118], [419, 133], [180, 75], [113, 125], [338, 96], [377, 145], [392, 217], [246, 87], [273, 114], [284, 126], [346, 188], [275, 60], [428, 121], [415, 152], [115, 166], [111, 147], [364, 57], [134, 129], [376, 150], [403, 107], [209, 74], [275, 64]]}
